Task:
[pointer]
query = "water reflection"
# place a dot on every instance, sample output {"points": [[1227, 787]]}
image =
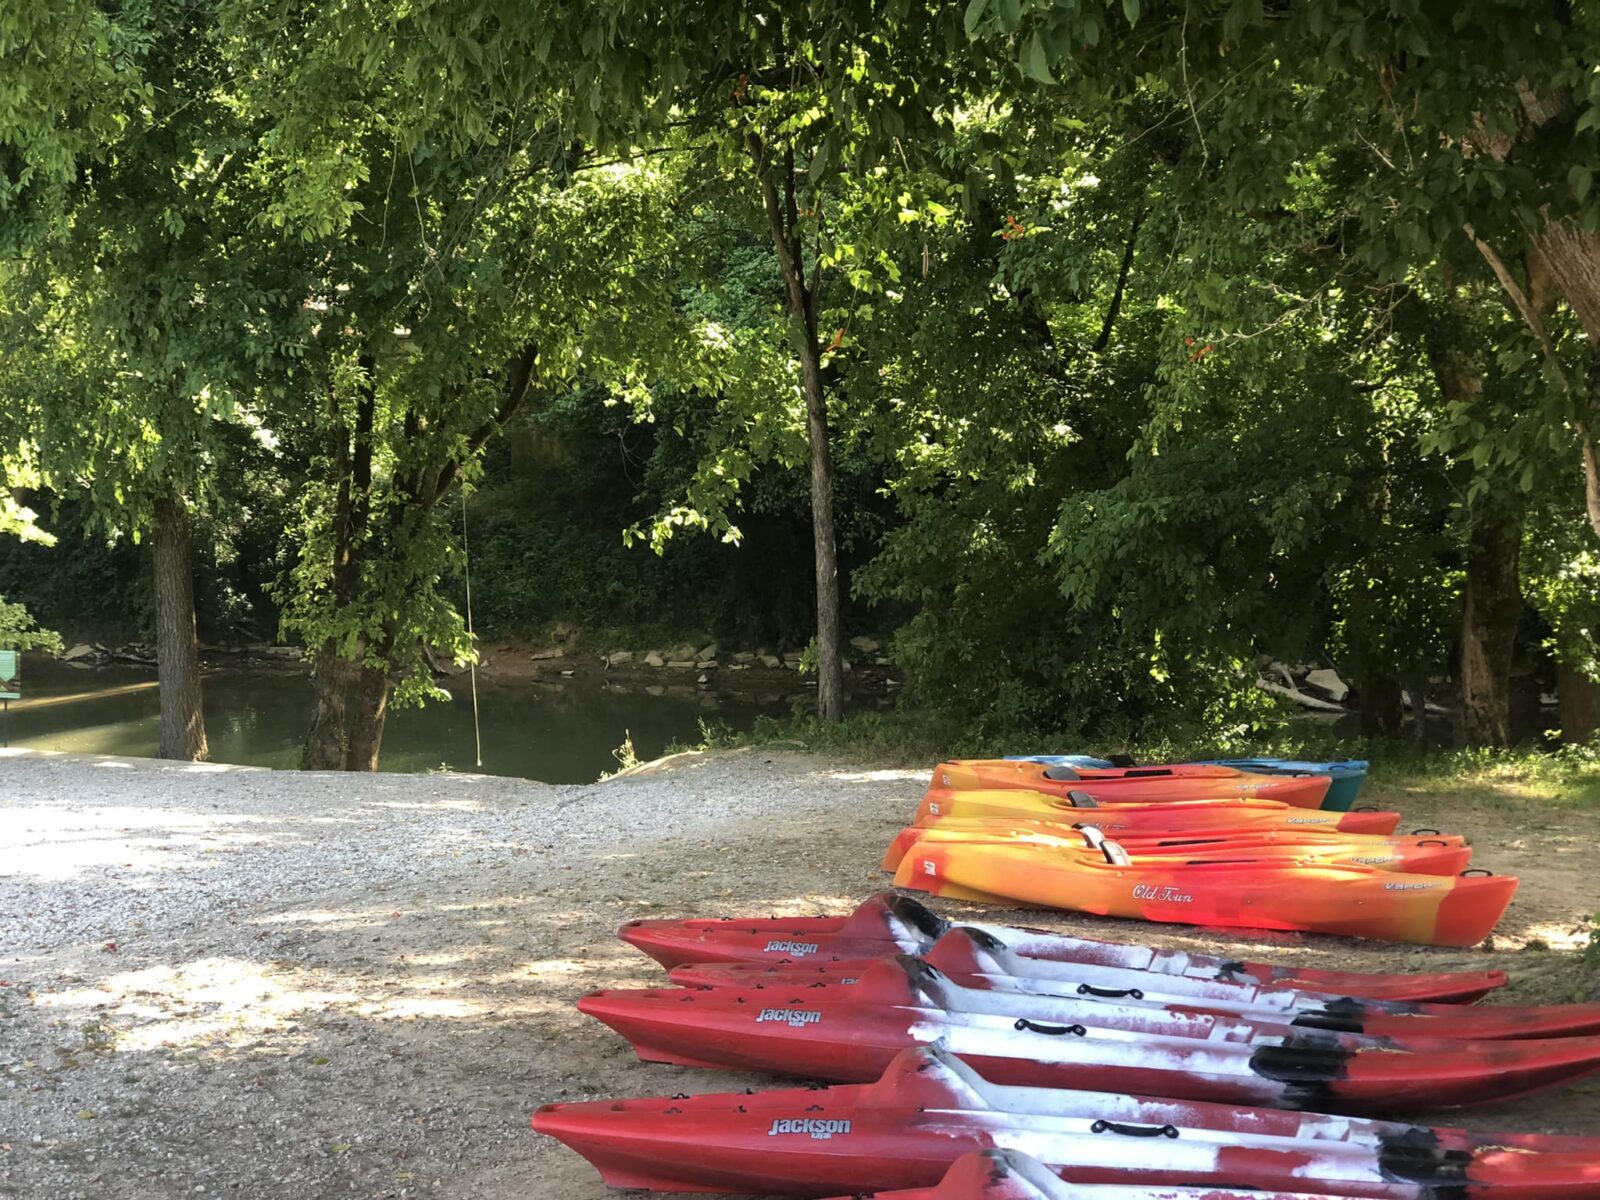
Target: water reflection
{"points": [[560, 732]]}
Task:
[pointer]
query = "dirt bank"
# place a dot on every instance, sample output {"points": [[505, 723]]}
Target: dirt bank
{"points": [[224, 982]]}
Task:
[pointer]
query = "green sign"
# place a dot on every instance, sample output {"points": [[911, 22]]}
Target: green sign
{"points": [[10, 680]]}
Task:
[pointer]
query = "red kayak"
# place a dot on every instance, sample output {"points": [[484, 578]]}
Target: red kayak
{"points": [[850, 1032], [889, 924], [976, 959], [1009, 1175], [929, 1109]]}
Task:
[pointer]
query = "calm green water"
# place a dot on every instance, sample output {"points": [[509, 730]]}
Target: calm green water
{"points": [[557, 733]]}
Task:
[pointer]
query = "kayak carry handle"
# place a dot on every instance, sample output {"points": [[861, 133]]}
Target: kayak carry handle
{"points": [[1423, 830], [1166, 1131], [1477, 871], [1051, 1030], [1086, 989], [1433, 842], [1366, 808]]}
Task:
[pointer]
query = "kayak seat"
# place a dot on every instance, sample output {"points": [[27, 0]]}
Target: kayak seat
{"points": [[1082, 800], [1062, 772], [1113, 851]]}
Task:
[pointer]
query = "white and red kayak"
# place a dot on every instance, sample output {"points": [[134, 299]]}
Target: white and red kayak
{"points": [[929, 1109], [977, 959], [888, 924], [849, 1032]]}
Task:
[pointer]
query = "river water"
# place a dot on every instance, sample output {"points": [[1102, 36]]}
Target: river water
{"points": [[557, 732]]}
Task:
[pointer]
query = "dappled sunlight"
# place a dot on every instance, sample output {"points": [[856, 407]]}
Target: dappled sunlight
{"points": [[57, 843], [1564, 937]]}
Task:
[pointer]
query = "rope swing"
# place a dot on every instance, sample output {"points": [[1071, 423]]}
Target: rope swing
{"points": [[466, 565]]}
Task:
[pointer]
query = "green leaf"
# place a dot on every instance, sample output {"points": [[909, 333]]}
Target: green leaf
{"points": [[1580, 179], [1034, 63], [1130, 9], [975, 13]]}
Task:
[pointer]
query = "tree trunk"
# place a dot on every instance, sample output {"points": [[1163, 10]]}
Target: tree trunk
{"points": [[369, 709], [1579, 700], [183, 723], [801, 304], [1488, 631], [830, 665], [1382, 706], [331, 680]]}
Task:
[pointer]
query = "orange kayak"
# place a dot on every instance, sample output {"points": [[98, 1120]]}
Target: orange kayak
{"points": [[1260, 893], [1412, 855], [941, 804], [1192, 781]]}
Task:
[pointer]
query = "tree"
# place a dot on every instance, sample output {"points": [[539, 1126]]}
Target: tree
{"points": [[146, 305]]}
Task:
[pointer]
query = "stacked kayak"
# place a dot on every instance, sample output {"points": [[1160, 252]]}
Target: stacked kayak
{"points": [[1416, 854], [929, 1109], [1191, 843], [851, 1030], [1345, 775], [1192, 781], [1229, 887], [974, 959], [886, 924], [951, 1061], [1079, 808]]}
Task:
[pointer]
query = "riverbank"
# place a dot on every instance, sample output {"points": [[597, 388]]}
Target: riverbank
{"points": [[234, 982]]}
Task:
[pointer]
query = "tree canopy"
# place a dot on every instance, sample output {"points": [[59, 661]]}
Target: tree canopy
{"points": [[1101, 351]]}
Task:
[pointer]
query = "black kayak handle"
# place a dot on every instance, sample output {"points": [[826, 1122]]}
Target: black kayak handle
{"points": [[1433, 842], [1052, 1030], [1167, 1131], [1477, 871], [1085, 989], [1423, 830]]}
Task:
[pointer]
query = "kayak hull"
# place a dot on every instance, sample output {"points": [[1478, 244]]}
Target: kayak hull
{"points": [[1413, 855], [1345, 775], [969, 958], [1117, 817], [851, 1033], [885, 923], [929, 1109], [1139, 784], [1309, 897]]}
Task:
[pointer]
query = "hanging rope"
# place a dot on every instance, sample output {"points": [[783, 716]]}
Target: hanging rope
{"points": [[466, 564]]}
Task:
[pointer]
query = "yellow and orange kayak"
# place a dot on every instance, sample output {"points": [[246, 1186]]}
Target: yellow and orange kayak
{"points": [[1189, 781], [1316, 897], [1415, 855], [942, 804]]}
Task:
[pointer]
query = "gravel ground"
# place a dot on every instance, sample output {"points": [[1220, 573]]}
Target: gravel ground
{"points": [[230, 982]]}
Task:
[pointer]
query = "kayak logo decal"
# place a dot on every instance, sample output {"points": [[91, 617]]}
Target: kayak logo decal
{"points": [[928, 868], [798, 949], [1166, 893], [1409, 887], [1305, 820], [794, 1018], [1375, 860], [813, 1127]]}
